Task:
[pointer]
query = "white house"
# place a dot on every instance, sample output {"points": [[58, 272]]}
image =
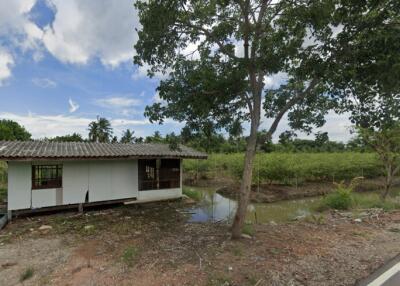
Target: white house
{"points": [[45, 174]]}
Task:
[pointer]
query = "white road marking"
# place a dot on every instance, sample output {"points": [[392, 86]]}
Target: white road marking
{"points": [[386, 275]]}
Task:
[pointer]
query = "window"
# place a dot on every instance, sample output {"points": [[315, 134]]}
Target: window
{"points": [[156, 174], [46, 176]]}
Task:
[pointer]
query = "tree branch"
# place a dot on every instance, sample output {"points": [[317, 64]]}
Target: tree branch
{"points": [[295, 99]]}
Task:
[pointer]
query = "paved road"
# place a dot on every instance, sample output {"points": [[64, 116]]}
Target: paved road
{"points": [[394, 280], [387, 275]]}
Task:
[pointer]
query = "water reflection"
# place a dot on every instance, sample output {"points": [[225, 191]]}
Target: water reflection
{"points": [[213, 208]]}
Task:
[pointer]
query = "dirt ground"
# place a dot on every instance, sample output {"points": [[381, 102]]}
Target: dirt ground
{"points": [[153, 244]]}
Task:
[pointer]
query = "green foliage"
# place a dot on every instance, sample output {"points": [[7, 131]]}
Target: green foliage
{"points": [[193, 194], [386, 143], [11, 130], [248, 229], [3, 195], [26, 274], [100, 130], [129, 255], [340, 199], [75, 137], [374, 200], [127, 136], [288, 168]]}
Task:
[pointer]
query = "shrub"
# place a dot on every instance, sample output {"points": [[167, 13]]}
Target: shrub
{"points": [[341, 199], [28, 273], [191, 193]]}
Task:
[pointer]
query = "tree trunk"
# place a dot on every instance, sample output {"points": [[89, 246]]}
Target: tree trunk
{"points": [[388, 183], [246, 183]]}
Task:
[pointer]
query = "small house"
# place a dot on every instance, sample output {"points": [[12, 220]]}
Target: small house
{"points": [[44, 174]]}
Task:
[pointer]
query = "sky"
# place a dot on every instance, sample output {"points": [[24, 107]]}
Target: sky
{"points": [[63, 63]]}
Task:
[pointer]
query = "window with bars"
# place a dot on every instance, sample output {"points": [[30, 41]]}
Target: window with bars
{"points": [[157, 174], [46, 176]]}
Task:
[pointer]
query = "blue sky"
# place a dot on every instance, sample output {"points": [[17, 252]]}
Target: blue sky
{"points": [[62, 63]]}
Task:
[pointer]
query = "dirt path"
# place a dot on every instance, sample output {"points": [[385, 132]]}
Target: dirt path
{"points": [[153, 245]]}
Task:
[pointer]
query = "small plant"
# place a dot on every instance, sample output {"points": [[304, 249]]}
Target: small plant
{"points": [[248, 229], [191, 193], [28, 273], [129, 255], [341, 198]]}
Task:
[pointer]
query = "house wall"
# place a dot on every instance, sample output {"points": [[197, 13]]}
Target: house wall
{"points": [[103, 180], [19, 185]]}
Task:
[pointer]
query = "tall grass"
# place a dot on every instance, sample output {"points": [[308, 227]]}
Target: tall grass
{"points": [[288, 168]]}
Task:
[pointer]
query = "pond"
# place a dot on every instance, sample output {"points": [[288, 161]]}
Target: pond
{"points": [[214, 208]]}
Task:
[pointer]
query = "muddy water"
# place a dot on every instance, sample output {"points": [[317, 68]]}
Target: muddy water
{"points": [[213, 207]]}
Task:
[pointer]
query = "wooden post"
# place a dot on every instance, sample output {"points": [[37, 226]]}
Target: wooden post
{"points": [[9, 215]]}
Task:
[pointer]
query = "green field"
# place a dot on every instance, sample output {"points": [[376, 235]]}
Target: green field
{"points": [[288, 168]]}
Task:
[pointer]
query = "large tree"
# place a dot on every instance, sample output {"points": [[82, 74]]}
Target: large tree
{"points": [[237, 45], [11, 130]]}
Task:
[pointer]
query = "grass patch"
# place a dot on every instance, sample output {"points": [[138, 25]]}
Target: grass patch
{"points": [[191, 193], [248, 229], [28, 273], [129, 255], [373, 200]]}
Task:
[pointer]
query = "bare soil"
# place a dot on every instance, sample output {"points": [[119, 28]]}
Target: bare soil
{"points": [[153, 244], [268, 193]]}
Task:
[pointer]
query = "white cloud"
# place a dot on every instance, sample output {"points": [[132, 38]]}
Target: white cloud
{"points": [[86, 29], [6, 63], [275, 81], [121, 104], [41, 126], [337, 126], [44, 82], [73, 106], [118, 101], [19, 31]]}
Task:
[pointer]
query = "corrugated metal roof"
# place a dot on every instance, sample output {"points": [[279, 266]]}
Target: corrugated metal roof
{"points": [[33, 150]]}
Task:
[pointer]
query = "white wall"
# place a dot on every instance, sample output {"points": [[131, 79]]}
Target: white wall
{"points": [[75, 181], [158, 195], [112, 180], [105, 179], [19, 185], [44, 197]]}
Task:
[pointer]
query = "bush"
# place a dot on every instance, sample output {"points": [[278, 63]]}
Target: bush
{"points": [[342, 198], [191, 193]]}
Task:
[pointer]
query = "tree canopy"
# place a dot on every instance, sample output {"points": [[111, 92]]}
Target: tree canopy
{"points": [[217, 55], [11, 130]]}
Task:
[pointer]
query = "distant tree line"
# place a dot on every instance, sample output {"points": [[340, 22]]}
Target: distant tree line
{"points": [[207, 138]]}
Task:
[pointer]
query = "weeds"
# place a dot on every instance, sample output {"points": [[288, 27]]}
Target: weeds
{"points": [[129, 255], [248, 229], [191, 193], [28, 273], [3, 195]]}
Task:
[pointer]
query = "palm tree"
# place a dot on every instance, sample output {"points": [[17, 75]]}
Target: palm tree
{"points": [[127, 136], [100, 130]]}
